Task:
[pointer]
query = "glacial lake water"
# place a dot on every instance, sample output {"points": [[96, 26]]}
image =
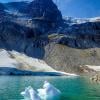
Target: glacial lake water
{"points": [[79, 88]]}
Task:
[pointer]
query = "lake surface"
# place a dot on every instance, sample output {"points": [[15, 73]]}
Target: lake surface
{"points": [[71, 88]]}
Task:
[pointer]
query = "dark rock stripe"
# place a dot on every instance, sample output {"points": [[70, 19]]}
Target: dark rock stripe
{"points": [[14, 71]]}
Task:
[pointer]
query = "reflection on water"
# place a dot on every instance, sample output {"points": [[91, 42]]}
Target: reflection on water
{"points": [[71, 88]]}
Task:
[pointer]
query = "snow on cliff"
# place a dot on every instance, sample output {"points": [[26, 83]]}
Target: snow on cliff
{"points": [[71, 20], [14, 63], [17, 60]]}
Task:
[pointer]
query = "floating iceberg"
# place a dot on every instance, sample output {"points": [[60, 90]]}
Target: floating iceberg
{"points": [[48, 92], [30, 94]]}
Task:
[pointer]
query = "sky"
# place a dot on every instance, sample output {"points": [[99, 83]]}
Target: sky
{"points": [[76, 8]]}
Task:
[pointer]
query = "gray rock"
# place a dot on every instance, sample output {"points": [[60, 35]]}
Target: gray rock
{"points": [[45, 15], [2, 7], [45, 10]]}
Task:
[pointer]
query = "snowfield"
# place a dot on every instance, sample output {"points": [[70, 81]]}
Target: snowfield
{"points": [[19, 61]]}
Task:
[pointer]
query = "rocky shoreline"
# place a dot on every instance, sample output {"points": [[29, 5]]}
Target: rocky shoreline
{"points": [[5, 71]]}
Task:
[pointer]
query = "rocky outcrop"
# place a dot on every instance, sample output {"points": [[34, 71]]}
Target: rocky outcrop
{"points": [[2, 13], [45, 14], [83, 35], [28, 34], [36, 14], [17, 6], [21, 39], [2, 7], [44, 10], [64, 58]]}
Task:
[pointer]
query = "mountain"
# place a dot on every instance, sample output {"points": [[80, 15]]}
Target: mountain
{"points": [[42, 9], [85, 35], [40, 31], [2, 7], [17, 6], [39, 11]]}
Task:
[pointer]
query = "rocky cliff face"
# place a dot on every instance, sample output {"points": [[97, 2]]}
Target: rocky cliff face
{"points": [[27, 31], [22, 39], [64, 58], [45, 15], [84, 35], [74, 45], [1, 11], [39, 31], [46, 10], [1, 7]]}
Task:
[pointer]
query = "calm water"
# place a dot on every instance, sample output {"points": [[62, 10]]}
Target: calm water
{"points": [[71, 88]]}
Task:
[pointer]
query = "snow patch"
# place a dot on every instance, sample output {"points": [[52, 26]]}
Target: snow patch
{"points": [[13, 59]]}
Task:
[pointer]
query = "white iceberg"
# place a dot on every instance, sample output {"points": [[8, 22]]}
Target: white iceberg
{"points": [[30, 94], [49, 92]]}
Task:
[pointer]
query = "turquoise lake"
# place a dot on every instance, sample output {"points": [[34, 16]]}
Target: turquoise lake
{"points": [[79, 88]]}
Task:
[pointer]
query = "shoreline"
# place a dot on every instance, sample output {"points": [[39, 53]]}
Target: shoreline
{"points": [[14, 72]]}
